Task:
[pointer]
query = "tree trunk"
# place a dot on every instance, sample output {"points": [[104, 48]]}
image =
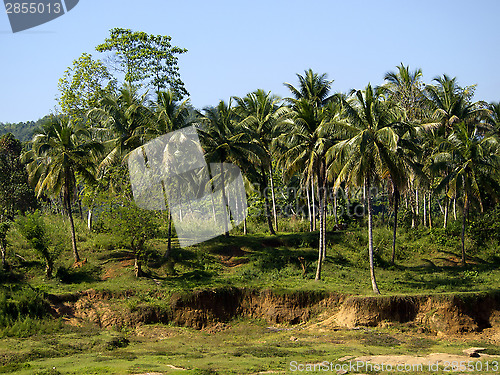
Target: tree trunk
{"points": [[455, 208], [245, 232], [429, 210], [137, 266], [169, 238], [224, 202], [309, 209], [49, 268], [89, 219], [425, 210], [271, 180], [72, 225], [464, 221], [321, 197], [313, 204], [4, 262], [370, 239], [395, 225], [446, 209], [335, 209], [266, 200]]}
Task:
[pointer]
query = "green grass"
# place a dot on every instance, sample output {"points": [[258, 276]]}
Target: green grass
{"points": [[427, 262], [31, 343]]}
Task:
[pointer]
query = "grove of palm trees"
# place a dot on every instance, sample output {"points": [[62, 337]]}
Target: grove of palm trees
{"points": [[389, 189]]}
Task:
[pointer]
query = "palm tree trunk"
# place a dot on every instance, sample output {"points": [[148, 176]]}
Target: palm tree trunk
{"points": [[313, 205], [89, 219], [266, 200], [446, 209], [322, 242], [169, 238], [72, 225], [395, 225], [309, 209], [4, 262], [455, 208], [370, 238], [429, 210], [464, 221], [224, 202], [425, 210], [273, 198]]}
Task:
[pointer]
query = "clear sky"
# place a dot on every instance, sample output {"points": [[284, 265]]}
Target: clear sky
{"points": [[239, 46]]}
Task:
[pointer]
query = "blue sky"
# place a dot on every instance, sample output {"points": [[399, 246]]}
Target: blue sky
{"points": [[238, 46]]}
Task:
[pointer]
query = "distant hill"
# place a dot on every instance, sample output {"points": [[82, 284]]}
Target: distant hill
{"points": [[22, 130]]}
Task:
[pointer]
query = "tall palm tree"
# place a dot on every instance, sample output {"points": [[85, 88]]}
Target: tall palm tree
{"points": [[313, 87], [302, 145], [368, 152], [451, 104], [260, 112], [123, 120], [224, 141], [404, 88], [60, 152], [472, 162]]}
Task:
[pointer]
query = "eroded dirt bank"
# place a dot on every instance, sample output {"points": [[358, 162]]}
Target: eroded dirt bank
{"points": [[433, 313]]}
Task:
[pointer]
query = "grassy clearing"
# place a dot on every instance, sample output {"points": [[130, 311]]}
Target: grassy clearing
{"points": [[427, 262], [240, 347]]}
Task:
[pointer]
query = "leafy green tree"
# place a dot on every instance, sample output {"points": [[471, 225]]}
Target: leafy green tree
{"points": [[15, 193], [83, 85], [145, 59], [368, 151], [121, 216], [33, 229], [61, 151]]}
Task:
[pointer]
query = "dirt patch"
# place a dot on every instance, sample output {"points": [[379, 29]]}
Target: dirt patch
{"points": [[437, 314]]}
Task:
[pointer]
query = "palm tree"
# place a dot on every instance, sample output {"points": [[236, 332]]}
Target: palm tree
{"points": [[260, 113], [60, 152], [124, 120], [224, 141], [368, 152], [304, 141], [451, 104], [169, 115], [471, 163], [313, 87], [404, 88]]}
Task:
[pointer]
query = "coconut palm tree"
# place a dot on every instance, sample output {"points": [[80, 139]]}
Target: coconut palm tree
{"points": [[404, 88], [61, 151], [260, 112], [451, 104], [223, 140], [302, 146], [471, 164], [368, 152], [122, 120]]}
